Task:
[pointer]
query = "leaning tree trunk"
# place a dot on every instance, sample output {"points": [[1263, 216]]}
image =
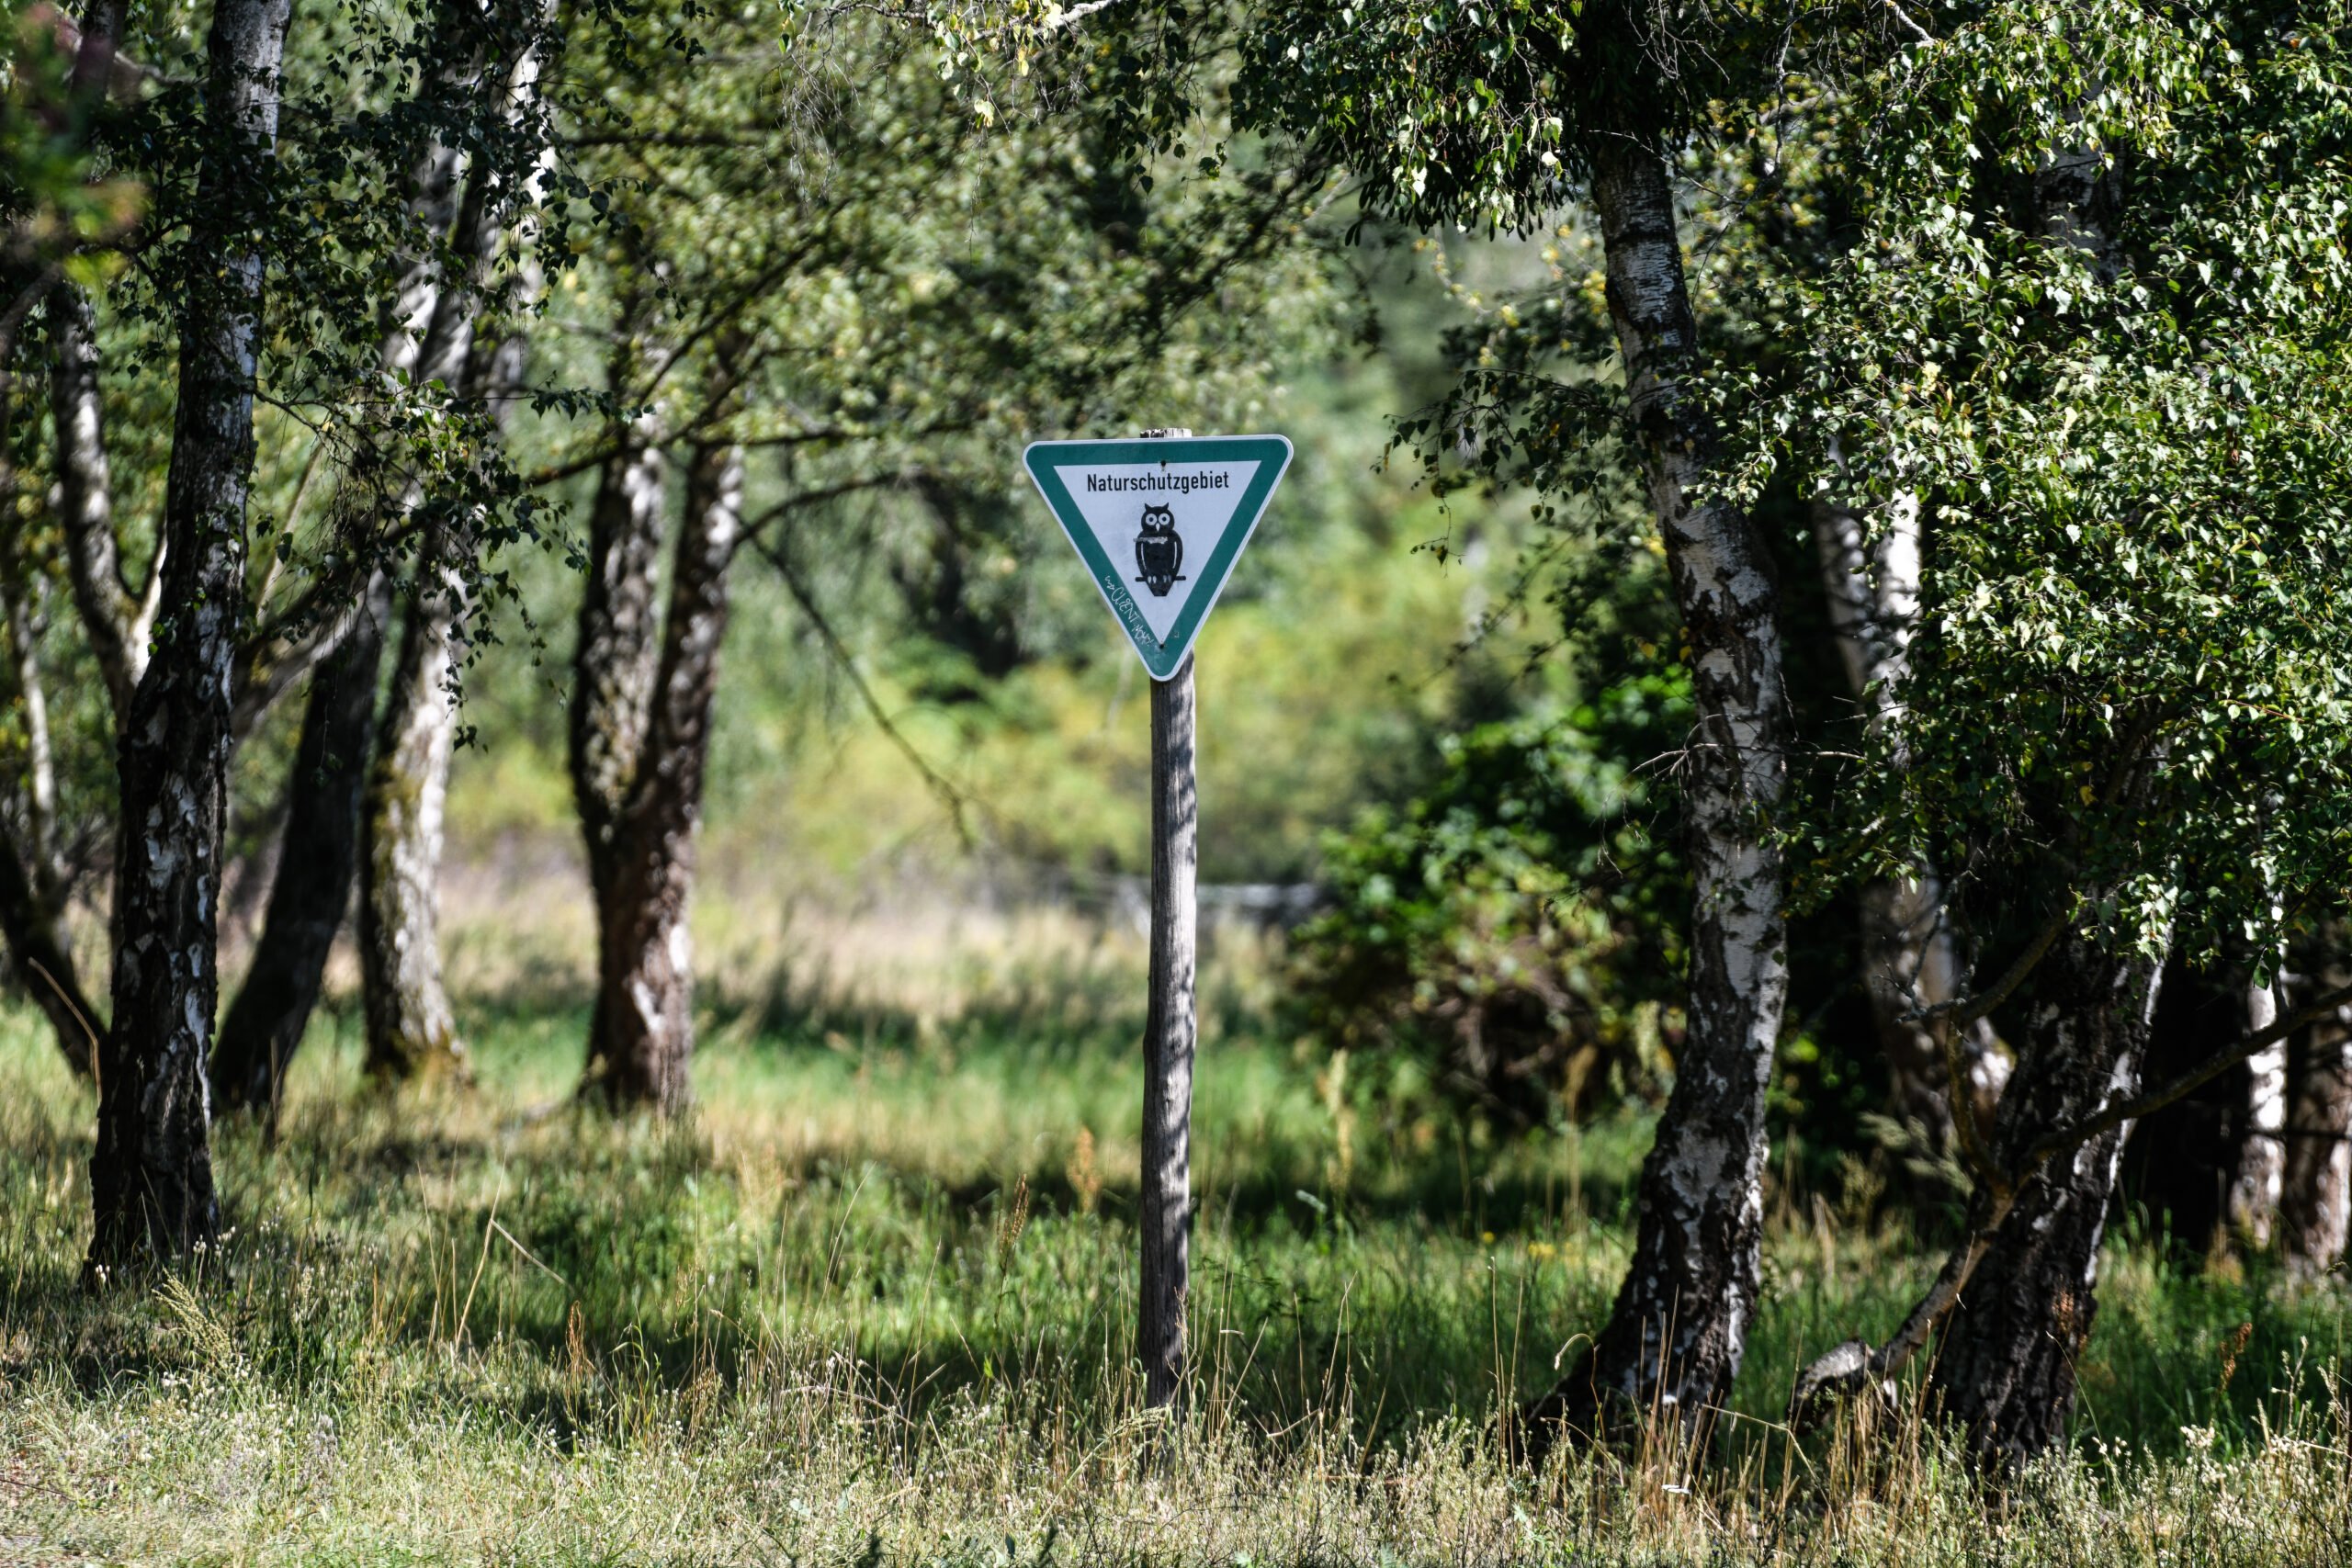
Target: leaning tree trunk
{"points": [[311, 893], [32, 884], [150, 1173], [115, 619], [1911, 960], [641, 1050], [312, 888], [2315, 1191], [1674, 1340], [2005, 1370]]}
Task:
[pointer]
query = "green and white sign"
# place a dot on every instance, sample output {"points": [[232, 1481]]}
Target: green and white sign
{"points": [[1159, 523]]}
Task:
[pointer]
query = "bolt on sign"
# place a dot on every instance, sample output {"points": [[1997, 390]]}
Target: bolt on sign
{"points": [[1159, 523]]}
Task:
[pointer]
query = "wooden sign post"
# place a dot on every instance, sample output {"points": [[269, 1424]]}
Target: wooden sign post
{"points": [[1164, 1217], [1171, 514]]}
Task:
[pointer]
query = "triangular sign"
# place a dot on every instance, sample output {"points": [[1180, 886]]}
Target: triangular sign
{"points": [[1160, 522]]}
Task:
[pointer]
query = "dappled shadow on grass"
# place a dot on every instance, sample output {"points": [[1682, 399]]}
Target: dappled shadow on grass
{"points": [[912, 1231], [552, 1268]]}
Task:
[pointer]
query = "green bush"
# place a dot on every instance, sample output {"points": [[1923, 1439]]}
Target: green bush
{"points": [[1512, 941]]}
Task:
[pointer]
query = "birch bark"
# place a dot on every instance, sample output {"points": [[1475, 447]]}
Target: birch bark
{"points": [[613, 657], [2005, 1370], [150, 1173], [310, 893], [1911, 960], [412, 1030], [641, 1052], [116, 618], [2256, 1184], [1675, 1337]]}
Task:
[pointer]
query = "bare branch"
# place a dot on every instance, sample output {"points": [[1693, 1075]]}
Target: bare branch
{"points": [[2152, 1101], [949, 795], [1854, 1366]]}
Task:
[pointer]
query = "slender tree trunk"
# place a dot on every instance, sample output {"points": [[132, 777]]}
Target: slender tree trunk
{"points": [[2315, 1191], [151, 1174], [33, 884], [115, 619], [614, 659], [1910, 957], [33, 887], [33, 894], [411, 1029], [2005, 1367], [643, 1050], [1674, 1340], [2255, 1185], [312, 892], [312, 888]]}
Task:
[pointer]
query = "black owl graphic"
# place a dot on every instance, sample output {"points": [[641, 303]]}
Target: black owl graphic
{"points": [[1158, 551]]}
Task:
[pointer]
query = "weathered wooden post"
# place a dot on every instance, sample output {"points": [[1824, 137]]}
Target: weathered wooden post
{"points": [[1170, 1030], [1171, 513], [1165, 1215]]}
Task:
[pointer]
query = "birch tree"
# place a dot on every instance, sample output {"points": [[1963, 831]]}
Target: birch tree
{"points": [[151, 1174], [411, 1029], [1503, 119], [811, 311], [254, 324], [2066, 339]]}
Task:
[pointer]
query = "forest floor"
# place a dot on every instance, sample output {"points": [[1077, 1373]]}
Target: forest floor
{"points": [[873, 1305]]}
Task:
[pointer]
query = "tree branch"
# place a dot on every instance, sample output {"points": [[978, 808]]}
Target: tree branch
{"points": [[1962, 1011], [2152, 1101], [1854, 1365], [948, 795]]}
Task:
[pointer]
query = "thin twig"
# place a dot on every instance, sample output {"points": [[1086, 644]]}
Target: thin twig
{"points": [[949, 795], [37, 967]]}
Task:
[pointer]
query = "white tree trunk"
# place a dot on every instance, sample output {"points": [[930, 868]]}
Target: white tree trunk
{"points": [[117, 619], [2255, 1185], [1678, 1331], [1910, 957], [410, 1027]]}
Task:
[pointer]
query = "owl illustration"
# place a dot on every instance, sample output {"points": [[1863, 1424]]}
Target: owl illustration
{"points": [[1158, 551]]}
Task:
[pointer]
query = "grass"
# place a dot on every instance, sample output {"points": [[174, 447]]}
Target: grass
{"points": [[873, 1305]]}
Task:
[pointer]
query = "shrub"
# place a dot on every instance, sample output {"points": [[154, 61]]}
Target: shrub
{"points": [[1511, 940]]}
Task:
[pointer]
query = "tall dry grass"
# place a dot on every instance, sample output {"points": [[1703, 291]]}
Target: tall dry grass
{"points": [[873, 1304]]}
